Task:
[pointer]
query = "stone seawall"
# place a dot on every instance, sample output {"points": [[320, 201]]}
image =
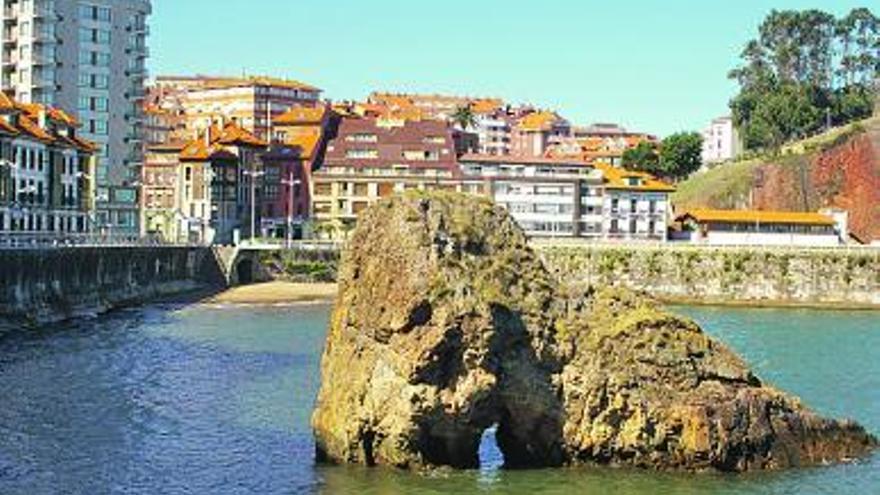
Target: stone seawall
{"points": [[43, 286], [800, 277]]}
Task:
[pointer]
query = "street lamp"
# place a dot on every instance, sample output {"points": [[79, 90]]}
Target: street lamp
{"points": [[253, 174], [290, 183]]}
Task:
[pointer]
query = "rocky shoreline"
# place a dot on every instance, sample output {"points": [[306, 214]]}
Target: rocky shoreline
{"points": [[448, 323]]}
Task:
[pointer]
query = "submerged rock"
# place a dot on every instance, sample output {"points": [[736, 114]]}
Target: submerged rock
{"points": [[447, 323]]}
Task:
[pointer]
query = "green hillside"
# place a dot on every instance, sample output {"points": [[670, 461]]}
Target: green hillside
{"points": [[728, 185]]}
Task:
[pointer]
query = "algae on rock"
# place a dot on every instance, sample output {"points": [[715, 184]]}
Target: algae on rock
{"points": [[447, 323]]}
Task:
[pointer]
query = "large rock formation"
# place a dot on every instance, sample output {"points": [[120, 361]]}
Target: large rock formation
{"points": [[447, 323]]}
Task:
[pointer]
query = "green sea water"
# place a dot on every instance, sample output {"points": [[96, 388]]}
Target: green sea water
{"points": [[216, 400]]}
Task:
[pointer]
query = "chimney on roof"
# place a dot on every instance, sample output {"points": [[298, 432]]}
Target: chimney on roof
{"points": [[41, 117]]}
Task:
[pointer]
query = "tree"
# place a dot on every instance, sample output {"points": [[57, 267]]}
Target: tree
{"points": [[464, 117], [803, 67], [681, 155], [642, 158]]}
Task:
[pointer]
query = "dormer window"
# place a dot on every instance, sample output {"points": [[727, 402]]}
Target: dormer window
{"points": [[634, 181]]}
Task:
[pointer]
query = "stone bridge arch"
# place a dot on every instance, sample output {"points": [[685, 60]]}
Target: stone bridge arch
{"points": [[239, 266]]}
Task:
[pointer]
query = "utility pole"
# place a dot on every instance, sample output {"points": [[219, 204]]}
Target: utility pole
{"points": [[253, 174], [291, 183]]}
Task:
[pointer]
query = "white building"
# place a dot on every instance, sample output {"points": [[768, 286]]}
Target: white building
{"points": [[763, 228], [44, 170], [566, 198], [493, 133], [87, 56], [721, 141]]}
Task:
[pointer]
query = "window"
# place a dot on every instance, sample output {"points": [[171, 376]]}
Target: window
{"points": [[362, 138], [98, 127], [100, 104], [100, 81], [94, 12], [362, 154]]}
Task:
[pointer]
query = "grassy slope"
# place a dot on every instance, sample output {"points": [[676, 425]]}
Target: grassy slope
{"points": [[728, 185]]}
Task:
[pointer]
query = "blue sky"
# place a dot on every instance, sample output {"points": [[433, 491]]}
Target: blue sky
{"points": [[653, 65]]}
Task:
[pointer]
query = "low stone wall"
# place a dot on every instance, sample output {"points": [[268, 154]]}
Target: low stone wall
{"points": [[697, 274], [42, 286]]}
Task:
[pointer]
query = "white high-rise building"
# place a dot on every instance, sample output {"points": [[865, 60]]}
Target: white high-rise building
{"points": [[721, 141], [87, 57]]}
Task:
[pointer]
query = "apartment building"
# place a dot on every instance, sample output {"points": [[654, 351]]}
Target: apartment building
{"points": [[162, 126], [494, 133], [570, 198], [369, 159], [89, 57], [547, 197], [251, 102], [433, 106], [534, 132], [204, 190], [298, 141], [636, 205], [721, 141], [46, 172]]}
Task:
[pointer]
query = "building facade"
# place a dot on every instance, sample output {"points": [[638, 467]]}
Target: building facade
{"points": [[762, 228], [298, 143], [721, 141], [206, 190], [46, 172], [369, 159], [535, 132], [251, 102], [88, 56], [569, 198]]}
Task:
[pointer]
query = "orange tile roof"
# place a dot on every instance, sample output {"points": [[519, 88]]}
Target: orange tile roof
{"points": [[754, 216], [616, 179], [538, 121], [307, 144], [7, 128], [231, 82], [487, 105], [235, 135], [29, 126], [6, 102], [302, 115], [196, 150]]}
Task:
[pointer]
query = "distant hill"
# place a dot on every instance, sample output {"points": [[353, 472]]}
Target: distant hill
{"points": [[840, 168]]}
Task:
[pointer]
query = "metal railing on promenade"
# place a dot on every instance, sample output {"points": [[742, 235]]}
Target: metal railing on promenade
{"points": [[30, 240], [690, 246]]}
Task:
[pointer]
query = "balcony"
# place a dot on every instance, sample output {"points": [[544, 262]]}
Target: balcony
{"points": [[140, 52], [44, 11], [143, 29], [134, 135], [134, 159], [136, 115], [44, 59], [45, 37], [44, 82], [139, 71], [136, 93]]}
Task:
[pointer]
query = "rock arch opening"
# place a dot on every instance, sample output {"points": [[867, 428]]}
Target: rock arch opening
{"points": [[490, 456]]}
